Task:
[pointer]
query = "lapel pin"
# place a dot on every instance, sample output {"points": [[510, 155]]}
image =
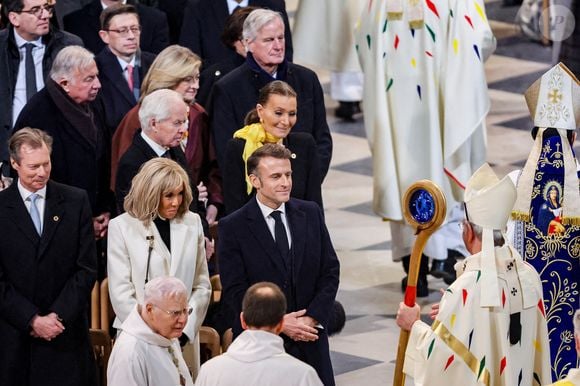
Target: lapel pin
{"points": [[55, 218], [293, 155]]}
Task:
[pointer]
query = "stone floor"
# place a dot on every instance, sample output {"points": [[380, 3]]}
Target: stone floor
{"points": [[364, 353]]}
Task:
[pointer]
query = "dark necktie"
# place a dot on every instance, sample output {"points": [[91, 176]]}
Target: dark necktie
{"points": [[280, 234], [167, 154], [30, 71]]}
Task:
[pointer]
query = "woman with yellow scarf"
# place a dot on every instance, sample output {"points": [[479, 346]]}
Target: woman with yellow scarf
{"points": [[271, 122]]}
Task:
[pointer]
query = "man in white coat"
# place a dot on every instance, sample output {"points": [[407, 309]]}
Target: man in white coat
{"points": [[147, 351], [257, 355], [491, 326]]}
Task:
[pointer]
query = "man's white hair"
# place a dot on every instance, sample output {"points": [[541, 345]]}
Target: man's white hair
{"points": [[256, 20], [577, 323], [69, 61], [162, 288], [157, 105]]}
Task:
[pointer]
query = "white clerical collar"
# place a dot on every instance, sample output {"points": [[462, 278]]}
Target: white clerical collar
{"points": [[157, 148], [266, 210], [233, 4], [20, 41], [105, 5], [25, 193]]}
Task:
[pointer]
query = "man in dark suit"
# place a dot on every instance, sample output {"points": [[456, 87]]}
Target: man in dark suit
{"points": [[122, 66], [204, 22], [20, 79], [236, 94], [285, 241], [47, 271], [85, 24], [163, 116]]}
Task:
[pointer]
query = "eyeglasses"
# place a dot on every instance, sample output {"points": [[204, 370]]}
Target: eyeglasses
{"points": [[177, 313], [136, 29], [37, 11]]}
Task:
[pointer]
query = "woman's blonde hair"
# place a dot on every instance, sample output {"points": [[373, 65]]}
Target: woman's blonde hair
{"points": [[172, 65], [155, 178]]}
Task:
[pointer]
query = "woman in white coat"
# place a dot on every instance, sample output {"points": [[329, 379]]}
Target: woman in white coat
{"points": [[159, 236]]}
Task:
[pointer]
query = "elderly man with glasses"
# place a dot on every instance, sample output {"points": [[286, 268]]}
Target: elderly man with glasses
{"points": [[147, 349], [27, 49]]}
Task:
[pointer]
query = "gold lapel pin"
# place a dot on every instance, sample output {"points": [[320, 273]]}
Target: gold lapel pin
{"points": [[293, 155], [55, 218]]}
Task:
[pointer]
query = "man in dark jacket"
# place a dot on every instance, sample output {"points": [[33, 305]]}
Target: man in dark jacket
{"points": [[29, 24], [122, 66], [47, 271], [236, 94], [85, 23]]}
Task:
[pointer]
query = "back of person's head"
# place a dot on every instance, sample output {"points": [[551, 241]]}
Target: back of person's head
{"points": [[157, 105], [70, 60], [34, 138], [273, 150], [264, 305], [276, 87], [234, 26], [162, 288], [114, 10], [256, 20], [173, 65], [577, 323], [155, 178]]}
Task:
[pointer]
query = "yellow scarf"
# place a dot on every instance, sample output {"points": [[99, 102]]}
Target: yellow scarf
{"points": [[255, 137]]}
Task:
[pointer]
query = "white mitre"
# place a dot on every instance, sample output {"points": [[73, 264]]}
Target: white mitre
{"points": [[488, 202]]}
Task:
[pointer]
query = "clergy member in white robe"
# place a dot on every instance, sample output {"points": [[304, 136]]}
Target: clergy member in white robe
{"points": [[425, 101], [147, 351], [257, 356], [491, 326]]}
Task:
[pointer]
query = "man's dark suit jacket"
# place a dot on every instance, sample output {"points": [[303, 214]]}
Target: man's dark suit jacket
{"points": [[203, 24], [9, 62], [248, 255], [306, 183], [85, 24], [54, 272], [116, 97], [136, 155], [236, 94]]}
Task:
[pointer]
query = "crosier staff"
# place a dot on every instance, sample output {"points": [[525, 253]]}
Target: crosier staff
{"points": [[424, 209]]}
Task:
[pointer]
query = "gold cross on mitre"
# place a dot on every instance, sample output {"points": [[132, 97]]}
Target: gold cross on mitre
{"points": [[555, 96]]}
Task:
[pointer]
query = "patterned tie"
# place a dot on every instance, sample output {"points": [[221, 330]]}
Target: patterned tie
{"points": [[34, 214], [130, 76], [280, 234], [30, 71]]}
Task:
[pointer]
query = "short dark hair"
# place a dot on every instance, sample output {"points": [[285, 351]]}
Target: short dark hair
{"points": [[235, 25], [34, 138], [264, 305], [268, 150], [12, 6], [114, 10]]}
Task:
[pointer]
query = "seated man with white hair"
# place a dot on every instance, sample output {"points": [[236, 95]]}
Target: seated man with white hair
{"points": [[147, 350]]}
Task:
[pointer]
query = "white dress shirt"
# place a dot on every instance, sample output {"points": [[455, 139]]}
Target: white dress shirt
{"points": [[157, 148], [40, 201], [124, 65], [267, 211], [233, 4], [20, 89]]}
